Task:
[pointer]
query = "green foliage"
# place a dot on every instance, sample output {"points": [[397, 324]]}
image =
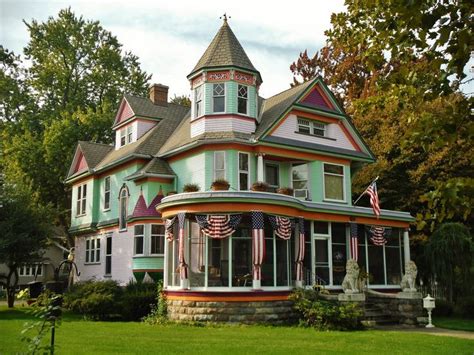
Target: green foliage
{"points": [[325, 315], [191, 188], [449, 252], [96, 300], [159, 312], [182, 100], [465, 307], [138, 300], [443, 308], [48, 314]]}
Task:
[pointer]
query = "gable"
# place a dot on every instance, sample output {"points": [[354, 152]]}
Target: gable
{"points": [[79, 162], [317, 98], [124, 112]]}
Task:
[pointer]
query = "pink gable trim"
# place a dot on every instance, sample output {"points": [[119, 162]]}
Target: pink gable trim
{"points": [[315, 99], [81, 163], [124, 112]]}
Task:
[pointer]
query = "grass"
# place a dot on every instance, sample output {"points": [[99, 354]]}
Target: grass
{"points": [[454, 323], [76, 336]]}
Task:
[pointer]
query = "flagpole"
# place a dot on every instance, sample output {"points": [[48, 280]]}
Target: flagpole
{"points": [[362, 194]]}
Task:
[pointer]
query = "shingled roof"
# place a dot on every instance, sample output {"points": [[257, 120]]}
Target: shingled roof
{"points": [[93, 154], [224, 50], [156, 166]]}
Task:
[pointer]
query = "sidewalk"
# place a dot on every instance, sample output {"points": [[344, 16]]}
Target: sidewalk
{"points": [[433, 331]]}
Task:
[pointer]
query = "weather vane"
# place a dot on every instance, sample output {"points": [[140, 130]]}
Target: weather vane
{"points": [[225, 17]]}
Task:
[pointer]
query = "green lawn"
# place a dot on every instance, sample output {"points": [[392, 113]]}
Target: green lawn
{"points": [[76, 336], [454, 323]]}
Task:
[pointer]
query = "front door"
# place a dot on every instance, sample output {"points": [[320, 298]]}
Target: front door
{"points": [[322, 261]]}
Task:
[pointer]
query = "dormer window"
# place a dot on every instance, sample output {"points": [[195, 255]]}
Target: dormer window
{"points": [[242, 99], [122, 137], [129, 134], [314, 128], [198, 102], [218, 97]]}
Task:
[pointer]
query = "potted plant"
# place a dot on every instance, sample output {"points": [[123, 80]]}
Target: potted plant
{"points": [[259, 186], [285, 191], [220, 185], [191, 188], [171, 193]]}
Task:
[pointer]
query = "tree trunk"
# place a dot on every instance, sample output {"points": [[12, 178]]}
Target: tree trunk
{"points": [[11, 296]]}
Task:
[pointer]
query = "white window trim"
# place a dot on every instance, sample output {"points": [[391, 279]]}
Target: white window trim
{"points": [[123, 134], [248, 101], [139, 235], [107, 236], [129, 135], [94, 250], [151, 235], [123, 188], [80, 212], [308, 194], [243, 171], [312, 126], [105, 209], [274, 163], [325, 199], [32, 269], [225, 164], [225, 98], [195, 113]]}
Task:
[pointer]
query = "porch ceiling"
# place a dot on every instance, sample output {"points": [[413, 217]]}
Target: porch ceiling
{"points": [[272, 203]]}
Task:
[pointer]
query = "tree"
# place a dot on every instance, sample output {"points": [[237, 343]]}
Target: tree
{"points": [[68, 91], [450, 252], [182, 100], [24, 227]]}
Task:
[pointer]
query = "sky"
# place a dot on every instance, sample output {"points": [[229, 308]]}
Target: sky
{"points": [[169, 37]]}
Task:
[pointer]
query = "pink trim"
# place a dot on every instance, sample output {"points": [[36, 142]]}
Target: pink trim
{"points": [[218, 76], [81, 163], [244, 78], [124, 112]]}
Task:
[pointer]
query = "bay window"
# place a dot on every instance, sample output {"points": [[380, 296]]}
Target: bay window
{"points": [[218, 97], [157, 239], [242, 99], [333, 182], [198, 107], [138, 240], [219, 165], [244, 180]]}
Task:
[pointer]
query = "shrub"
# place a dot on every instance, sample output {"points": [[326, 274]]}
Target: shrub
{"points": [[325, 315], [94, 299], [465, 307], [138, 300], [159, 312], [191, 188], [443, 308]]}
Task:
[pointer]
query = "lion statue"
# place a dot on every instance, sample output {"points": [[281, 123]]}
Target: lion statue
{"points": [[349, 284], [409, 279]]}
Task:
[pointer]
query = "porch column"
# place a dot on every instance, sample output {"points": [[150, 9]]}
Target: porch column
{"points": [[260, 167], [166, 260], [183, 267], [406, 246]]}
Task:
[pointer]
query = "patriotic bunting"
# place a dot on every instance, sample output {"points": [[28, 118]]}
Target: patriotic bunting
{"points": [[258, 244], [282, 226], [301, 249], [218, 226], [169, 224], [183, 267], [378, 235], [354, 241]]}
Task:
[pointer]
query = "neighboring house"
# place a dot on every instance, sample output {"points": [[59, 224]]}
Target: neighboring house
{"points": [[300, 138]]}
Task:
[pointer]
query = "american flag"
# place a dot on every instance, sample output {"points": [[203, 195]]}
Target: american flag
{"points": [[169, 224], [218, 226], [258, 241], [374, 198], [378, 235], [354, 241], [301, 250], [183, 267], [282, 226]]}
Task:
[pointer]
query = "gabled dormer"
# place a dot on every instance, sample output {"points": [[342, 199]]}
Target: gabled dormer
{"points": [[137, 115], [224, 86]]}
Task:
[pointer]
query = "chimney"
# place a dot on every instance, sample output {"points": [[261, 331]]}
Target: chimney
{"points": [[159, 94]]}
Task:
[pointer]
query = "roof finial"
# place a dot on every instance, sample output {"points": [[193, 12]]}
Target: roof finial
{"points": [[225, 17]]}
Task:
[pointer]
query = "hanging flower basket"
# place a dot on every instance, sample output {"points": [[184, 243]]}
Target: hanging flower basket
{"points": [[259, 186], [220, 185], [285, 191]]}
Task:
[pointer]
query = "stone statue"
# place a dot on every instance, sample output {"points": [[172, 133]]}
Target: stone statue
{"points": [[349, 284], [409, 279]]}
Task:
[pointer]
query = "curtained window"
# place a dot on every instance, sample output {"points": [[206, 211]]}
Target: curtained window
{"points": [[333, 182]]}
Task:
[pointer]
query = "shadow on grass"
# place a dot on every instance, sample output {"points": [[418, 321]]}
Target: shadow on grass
{"points": [[24, 313]]}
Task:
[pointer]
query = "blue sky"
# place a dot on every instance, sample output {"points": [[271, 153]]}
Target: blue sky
{"points": [[170, 36]]}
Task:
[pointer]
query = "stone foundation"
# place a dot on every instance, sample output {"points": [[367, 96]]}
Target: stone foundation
{"points": [[273, 312], [405, 310]]}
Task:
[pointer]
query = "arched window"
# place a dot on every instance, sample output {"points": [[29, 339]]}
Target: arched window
{"points": [[123, 202]]}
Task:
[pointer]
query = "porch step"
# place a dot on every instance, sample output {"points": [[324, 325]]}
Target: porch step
{"points": [[376, 316]]}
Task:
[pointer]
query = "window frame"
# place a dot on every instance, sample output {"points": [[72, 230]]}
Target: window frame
{"points": [[311, 126], [123, 223], [301, 122], [135, 236], [161, 240], [307, 180], [246, 98], [344, 199], [123, 137], [129, 134], [198, 109], [81, 200], [108, 256], [94, 251], [243, 171], [216, 153], [31, 268], [107, 194], [277, 166], [218, 96]]}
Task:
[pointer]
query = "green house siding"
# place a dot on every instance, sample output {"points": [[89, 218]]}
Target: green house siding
{"points": [[148, 263], [316, 181], [191, 170], [231, 97]]}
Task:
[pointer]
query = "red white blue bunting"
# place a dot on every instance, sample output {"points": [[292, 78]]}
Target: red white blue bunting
{"points": [[258, 244], [218, 226], [378, 235], [169, 226], [301, 250], [354, 241], [183, 267], [283, 226]]}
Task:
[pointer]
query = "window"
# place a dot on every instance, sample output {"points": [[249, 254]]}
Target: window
{"points": [[122, 137], [299, 173], [272, 176], [312, 127], [339, 252], [242, 99], [333, 182], [81, 200], [139, 239], [123, 208], [93, 250], [107, 193], [108, 255], [218, 97], [157, 239], [129, 134], [219, 165], [31, 270], [243, 171], [198, 102]]}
